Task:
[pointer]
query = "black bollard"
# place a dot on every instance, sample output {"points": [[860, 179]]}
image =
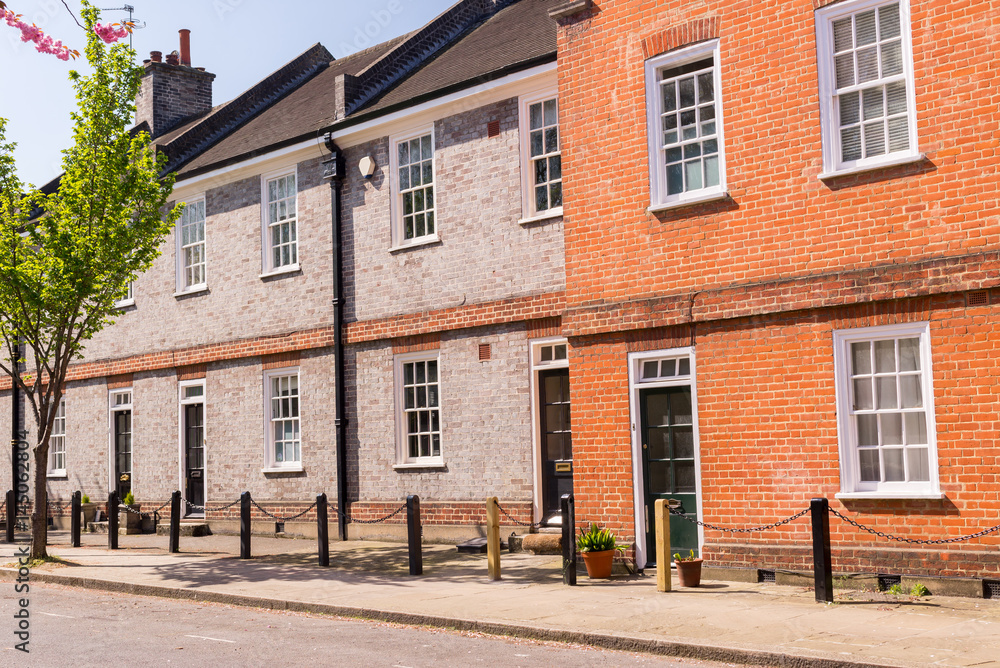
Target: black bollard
{"points": [[113, 520], [11, 514], [322, 530], [175, 523], [245, 525], [74, 522], [413, 535], [568, 507], [822, 566]]}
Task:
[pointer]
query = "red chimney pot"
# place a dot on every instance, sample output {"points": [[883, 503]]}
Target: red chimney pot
{"points": [[173, 58], [156, 56], [185, 47]]}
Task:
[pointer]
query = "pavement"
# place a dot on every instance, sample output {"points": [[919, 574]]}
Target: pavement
{"points": [[735, 622]]}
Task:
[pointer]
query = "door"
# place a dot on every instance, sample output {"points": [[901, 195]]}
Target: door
{"points": [[668, 464], [557, 445], [123, 452], [194, 456]]}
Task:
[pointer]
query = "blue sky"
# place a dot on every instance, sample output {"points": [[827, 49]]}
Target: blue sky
{"points": [[240, 41]]}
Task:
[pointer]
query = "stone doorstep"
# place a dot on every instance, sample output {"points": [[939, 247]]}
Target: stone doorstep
{"points": [[194, 529], [102, 527]]}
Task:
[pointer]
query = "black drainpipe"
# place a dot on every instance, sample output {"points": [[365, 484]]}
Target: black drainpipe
{"points": [[334, 172]]}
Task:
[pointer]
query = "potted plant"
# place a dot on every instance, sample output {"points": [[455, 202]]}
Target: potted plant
{"points": [[129, 520], [87, 510], [598, 547], [688, 569]]}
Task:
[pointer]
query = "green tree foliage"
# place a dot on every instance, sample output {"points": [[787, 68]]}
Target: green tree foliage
{"points": [[67, 256]]}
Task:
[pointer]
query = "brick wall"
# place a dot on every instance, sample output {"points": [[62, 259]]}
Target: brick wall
{"points": [[170, 94]]}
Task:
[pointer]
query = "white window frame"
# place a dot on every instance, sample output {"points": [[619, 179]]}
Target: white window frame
{"points": [[271, 465], [57, 442], [128, 299], [529, 212], [850, 476], [659, 199], [403, 459], [829, 111], [112, 409], [181, 269], [396, 206], [267, 264], [183, 401]]}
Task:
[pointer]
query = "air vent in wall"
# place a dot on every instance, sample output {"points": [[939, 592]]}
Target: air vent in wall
{"points": [[764, 575], [977, 298], [485, 352], [493, 128], [886, 581], [991, 589]]}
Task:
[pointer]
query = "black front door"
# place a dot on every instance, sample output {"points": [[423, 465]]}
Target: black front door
{"points": [[668, 466], [194, 456], [557, 444], [123, 452]]}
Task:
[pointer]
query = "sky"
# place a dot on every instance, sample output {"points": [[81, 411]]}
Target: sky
{"points": [[240, 41]]}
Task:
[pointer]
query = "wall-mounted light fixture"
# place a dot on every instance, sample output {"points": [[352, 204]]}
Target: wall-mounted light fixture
{"points": [[367, 167]]}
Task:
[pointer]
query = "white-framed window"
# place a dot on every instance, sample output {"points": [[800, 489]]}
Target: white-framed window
{"points": [[666, 369], [282, 411], [57, 442], [418, 409], [414, 215], [885, 411], [684, 125], [541, 159], [867, 104], [280, 242], [127, 299], [190, 235]]}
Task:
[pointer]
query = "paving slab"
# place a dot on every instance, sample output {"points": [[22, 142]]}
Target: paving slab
{"points": [[760, 624]]}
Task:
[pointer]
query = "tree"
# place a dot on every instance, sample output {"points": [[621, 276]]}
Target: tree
{"points": [[66, 257]]}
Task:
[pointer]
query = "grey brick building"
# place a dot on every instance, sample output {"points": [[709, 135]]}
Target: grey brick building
{"points": [[220, 374]]}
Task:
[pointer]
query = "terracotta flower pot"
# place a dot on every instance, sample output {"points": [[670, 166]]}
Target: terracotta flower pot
{"points": [[689, 572], [599, 563]]}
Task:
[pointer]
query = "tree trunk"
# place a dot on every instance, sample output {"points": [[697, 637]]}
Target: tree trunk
{"points": [[39, 510]]}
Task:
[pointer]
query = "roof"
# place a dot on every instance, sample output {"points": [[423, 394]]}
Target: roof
{"points": [[461, 48]]}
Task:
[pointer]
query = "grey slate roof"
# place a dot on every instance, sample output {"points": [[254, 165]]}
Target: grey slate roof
{"points": [[518, 36]]}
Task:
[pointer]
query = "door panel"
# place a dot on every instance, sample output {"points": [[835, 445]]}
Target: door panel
{"points": [[557, 442], [194, 451], [668, 449], [123, 452]]}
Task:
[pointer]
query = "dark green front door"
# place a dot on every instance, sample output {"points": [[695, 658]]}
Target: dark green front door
{"points": [[123, 453], [668, 466]]}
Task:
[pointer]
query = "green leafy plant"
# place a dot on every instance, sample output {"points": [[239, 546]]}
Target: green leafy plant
{"points": [[129, 499], [678, 557], [895, 590], [919, 590], [596, 539], [84, 499]]}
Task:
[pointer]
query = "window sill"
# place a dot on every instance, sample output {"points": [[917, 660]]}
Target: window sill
{"points": [[545, 215], [889, 496], [416, 243], [195, 290], [695, 199], [283, 469], [56, 474], [125, 304], [437, 463], [870, 167], [288, 269]]}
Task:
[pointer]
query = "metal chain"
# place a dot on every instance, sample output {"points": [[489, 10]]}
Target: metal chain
{"points": [[281, 519], [375, 521], [210, 510], [765, 527], [914, 541], [531, 525]]}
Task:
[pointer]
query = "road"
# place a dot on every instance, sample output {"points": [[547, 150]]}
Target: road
{"points": [[77, 627]]}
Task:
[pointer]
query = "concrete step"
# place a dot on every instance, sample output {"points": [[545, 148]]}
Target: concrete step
{"points": [[476, 546], [102, 527], [187, 528]]}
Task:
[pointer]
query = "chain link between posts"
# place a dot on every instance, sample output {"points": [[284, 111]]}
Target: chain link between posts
{"points": [[764, 527], [210, 510], [281, 519], [914, 541], [530, 525], [375, 521]]}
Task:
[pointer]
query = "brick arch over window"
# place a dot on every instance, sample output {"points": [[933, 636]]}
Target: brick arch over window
{"points": [[680, 35]]}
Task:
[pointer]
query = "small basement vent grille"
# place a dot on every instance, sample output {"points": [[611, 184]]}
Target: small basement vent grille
{"points": [[886, 581], [493, 128], [764, 575], [991, 589], [977, 298], [485, 352]]}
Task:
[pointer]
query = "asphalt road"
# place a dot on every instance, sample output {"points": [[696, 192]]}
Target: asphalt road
{"points": [[76, 628]]}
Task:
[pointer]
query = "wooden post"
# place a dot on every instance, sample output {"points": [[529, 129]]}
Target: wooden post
{"points": [[175, 522], [493, 537], [74, 522], [113, 502], [245, 525], [414, 535], [322, 530], [662, 515]]}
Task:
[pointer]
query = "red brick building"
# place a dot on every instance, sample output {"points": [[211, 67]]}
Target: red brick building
{"points": [[783, 273]]}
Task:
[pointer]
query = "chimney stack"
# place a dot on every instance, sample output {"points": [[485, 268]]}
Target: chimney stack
{"points": [[185, 47]]}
